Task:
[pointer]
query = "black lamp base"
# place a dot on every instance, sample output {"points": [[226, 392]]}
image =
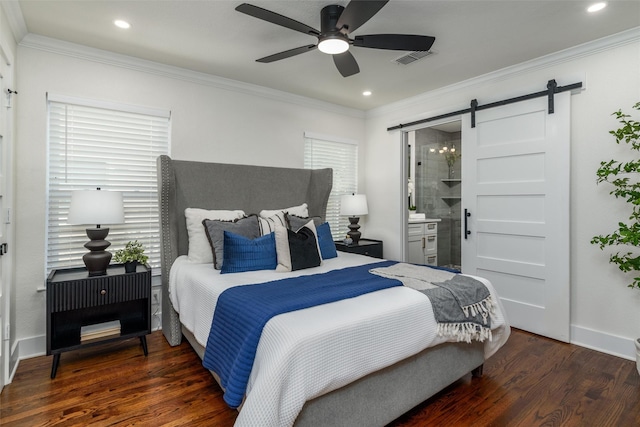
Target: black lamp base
{"points": [[353, 233], [98, 259]]}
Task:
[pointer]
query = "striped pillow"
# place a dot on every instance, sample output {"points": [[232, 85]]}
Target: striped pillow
{"points": [[268, 225]]}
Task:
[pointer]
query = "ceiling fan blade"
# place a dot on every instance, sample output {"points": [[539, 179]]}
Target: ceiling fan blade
{"points": [[287, 54], [358, 12], [395, 42], [274, 18], [346, 64]]}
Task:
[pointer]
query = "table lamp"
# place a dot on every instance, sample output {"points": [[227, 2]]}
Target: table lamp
{"points": [[96, 207], [354, 205]]}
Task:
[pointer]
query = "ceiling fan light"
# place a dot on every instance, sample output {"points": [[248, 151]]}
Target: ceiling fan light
{"points": [[333, 45]]}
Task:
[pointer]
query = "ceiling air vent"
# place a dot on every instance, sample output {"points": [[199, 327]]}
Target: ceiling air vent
{"points": [[412, 57]]}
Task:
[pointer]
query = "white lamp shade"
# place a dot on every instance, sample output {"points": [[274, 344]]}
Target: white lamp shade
{"points": [[96, 207], [354, 205]]}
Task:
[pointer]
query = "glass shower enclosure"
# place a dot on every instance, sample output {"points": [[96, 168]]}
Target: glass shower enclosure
{"points": [[435, 186]]}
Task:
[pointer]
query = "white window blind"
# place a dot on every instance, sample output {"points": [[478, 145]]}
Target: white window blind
{"points": [[108, 146], [342, 156]]}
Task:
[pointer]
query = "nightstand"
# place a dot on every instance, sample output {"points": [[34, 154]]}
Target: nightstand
{"points": [[77, 305], [369, 247]]}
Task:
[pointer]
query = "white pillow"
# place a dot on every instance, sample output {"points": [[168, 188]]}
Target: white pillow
{"points": [[301, 211], [199, 248], [282, 249]]}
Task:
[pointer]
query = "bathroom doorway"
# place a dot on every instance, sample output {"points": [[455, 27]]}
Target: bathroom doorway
{"points": [[434, 195]]}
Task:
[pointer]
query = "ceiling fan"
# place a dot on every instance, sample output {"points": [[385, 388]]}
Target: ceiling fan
{"points": [[336, 23]]}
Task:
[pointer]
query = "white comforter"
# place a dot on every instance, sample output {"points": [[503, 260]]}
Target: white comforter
{"points": [[307, 353]]}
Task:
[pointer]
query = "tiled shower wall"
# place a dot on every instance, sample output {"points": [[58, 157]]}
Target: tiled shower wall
{"points": [[436, 194]]}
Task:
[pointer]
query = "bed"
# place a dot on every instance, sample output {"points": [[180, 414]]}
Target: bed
{"points": [[328, 392]]}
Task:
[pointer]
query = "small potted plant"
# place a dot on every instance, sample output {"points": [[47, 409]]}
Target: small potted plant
{"points": [[131, 256]]}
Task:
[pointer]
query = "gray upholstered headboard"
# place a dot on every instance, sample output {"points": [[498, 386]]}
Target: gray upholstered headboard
{"points": [[189, 184]]}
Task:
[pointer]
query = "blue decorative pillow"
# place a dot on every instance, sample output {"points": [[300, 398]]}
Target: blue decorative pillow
{"points": [[325, 241], [244, 254]]}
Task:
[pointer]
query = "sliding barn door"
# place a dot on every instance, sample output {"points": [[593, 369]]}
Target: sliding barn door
{"points": [[516, 194]]}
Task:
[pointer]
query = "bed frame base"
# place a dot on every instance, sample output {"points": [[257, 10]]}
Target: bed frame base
{"points": [[383, 396]]}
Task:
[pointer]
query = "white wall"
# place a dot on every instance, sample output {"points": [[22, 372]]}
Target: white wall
{"points": [[605, 314], [215, 120], [212, 120]]}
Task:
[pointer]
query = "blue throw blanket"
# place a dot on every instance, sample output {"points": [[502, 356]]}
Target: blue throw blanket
{"points": [[242, 312]]}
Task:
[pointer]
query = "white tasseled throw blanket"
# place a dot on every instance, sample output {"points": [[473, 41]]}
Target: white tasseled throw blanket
{"points": [[461, 304]]}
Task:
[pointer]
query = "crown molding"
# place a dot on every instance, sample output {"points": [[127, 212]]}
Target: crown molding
{"points": [[59, 47], [15, 18], [553, 59], [109, 58]]}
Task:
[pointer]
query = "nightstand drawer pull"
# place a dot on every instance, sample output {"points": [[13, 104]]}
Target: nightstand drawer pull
{"points": [[103, 292]]}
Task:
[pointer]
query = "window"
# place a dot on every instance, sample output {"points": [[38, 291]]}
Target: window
{"points": [[342, 156], [93, 144]]}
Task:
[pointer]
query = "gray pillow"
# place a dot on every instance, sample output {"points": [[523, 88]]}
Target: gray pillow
{"points": [[295, 222], [247, 227]]}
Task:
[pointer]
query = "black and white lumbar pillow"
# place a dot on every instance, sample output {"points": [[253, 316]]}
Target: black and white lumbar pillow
{"points": [[297, 250]]}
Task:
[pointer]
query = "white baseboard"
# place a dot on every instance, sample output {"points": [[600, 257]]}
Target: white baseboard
{"points": [[26, 348], [605, 343]]}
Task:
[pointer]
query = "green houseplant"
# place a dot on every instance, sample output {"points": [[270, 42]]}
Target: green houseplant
{"points": [[624, 178], [130, 256], [621, 176]]}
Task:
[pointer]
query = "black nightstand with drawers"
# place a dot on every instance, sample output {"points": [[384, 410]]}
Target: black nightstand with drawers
{"points": [[369, 247], [76, 300]]}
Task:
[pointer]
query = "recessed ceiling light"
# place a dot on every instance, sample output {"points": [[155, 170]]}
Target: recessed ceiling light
{"points": [[596, 7], [121, 24], [366, 93]]}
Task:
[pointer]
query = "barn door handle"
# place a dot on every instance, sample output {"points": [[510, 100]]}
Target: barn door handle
{"points": [[467, 214]]}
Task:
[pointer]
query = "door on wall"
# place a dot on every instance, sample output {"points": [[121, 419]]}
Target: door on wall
{"points": [[5, 185], [434, 187], [516, 195]]}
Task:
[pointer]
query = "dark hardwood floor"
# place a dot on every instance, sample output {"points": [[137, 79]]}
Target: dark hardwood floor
{"points": [[532, 381]]}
